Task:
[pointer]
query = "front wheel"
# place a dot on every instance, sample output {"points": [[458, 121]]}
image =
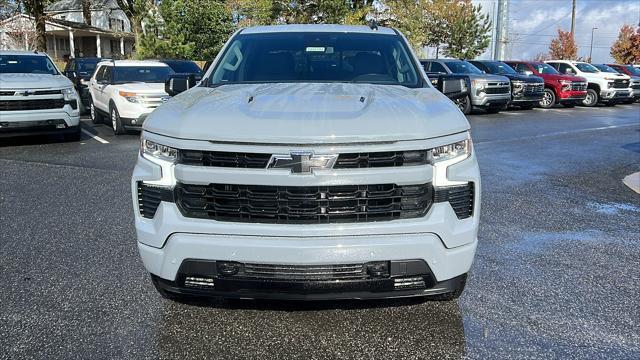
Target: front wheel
{"points": [[96, 117], [548, 99], [116, 122], [464, 104], [592, 98]]}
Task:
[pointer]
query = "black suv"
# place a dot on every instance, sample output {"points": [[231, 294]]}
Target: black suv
{"points": [[79, 71], [185, 67], [526, 90]]}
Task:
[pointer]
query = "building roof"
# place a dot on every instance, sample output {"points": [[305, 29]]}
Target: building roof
{"points": [[318, 28], [71, 5]]}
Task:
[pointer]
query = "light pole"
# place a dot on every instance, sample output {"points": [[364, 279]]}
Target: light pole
{"points": [[591, 47]]}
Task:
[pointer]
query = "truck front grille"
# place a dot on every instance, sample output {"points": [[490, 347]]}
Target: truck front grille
{"points": [[497, 90], [620, 84], [303, 204], [579, 86], [303, 272], [345, 160], [38, 104], [460, 197], [533, 88]]}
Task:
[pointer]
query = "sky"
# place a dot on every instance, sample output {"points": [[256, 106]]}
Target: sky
{"points": [[534, 23]]}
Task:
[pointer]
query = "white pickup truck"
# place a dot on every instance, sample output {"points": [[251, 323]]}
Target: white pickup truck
{"points": [[602, 87], [311, 162], [35, 98]]}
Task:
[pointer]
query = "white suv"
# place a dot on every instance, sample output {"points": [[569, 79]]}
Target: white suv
{"points": [[311, 162], [35, 98], [602, 87], [126, 91]]}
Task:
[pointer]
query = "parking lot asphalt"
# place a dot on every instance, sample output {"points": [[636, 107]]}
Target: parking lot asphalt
{"points": [[556, 275]]}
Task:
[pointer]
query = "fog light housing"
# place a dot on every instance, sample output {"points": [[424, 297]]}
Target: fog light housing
{"points": [[378, 269], [228, 268]]}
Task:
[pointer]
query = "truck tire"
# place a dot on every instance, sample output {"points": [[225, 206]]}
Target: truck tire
{"points": [[592, 98], [464, 105], [548, 99], [96, 117], [116, 122]]}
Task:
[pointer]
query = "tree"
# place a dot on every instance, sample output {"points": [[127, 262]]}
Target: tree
{"points": [[626, 49], [135, 11], [86, 11], [458, 26], [563, 47], [8, 8], [36, 8], [468, 31], [192, 29]]}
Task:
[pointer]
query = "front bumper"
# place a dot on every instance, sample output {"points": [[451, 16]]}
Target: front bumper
{"points": [[614, 95], [527, 99], [443, 241], [39, 122], [490, 100], [134, 123], [572, 96], [392, 286]]}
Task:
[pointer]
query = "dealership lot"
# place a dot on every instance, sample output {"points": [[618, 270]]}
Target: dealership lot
{"points": [[556, 273]]}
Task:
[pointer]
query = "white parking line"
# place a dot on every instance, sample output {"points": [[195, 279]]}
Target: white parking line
{"points": [[95, 137]]}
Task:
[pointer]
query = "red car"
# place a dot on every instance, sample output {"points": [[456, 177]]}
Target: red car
{"points": [[558, 88]]}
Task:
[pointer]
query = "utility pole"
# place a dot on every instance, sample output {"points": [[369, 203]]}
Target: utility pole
{"points": [[591, 47], [501, 26], [573, 18]]}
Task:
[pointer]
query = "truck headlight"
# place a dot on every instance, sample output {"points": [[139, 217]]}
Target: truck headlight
{"points": [[478, 84], [154, 150], [459, 151], [69, 93]]}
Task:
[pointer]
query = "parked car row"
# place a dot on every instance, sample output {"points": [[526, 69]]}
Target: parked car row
{"points": [[495, 85], [122, 93]]}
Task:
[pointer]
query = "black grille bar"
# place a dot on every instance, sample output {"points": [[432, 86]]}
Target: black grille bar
{"points": [[149, 198], [460, 197], [345, 160], [308, 204], [37, 104]]}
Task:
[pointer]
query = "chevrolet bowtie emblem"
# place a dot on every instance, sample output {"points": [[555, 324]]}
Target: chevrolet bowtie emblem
{"points": [[302, 162]]}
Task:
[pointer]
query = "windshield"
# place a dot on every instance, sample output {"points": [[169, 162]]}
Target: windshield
{"points": [[149, 74], [543, 68], [588, 68], [26, 64], [184, 67], [316, 57], [606, 68], [462, 67], [635, 71], [499, 68]]}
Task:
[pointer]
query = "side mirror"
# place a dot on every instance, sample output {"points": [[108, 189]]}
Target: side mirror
{"points": [[454, 86], [178, 83], [568, 71]]}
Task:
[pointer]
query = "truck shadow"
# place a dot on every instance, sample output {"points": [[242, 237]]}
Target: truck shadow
{"points": [[378, 329]]}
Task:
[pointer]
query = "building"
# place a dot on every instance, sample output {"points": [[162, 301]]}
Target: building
{"points": [[109, 34]]}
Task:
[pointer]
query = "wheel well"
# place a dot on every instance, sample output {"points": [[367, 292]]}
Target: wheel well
{"points": [[593, 86], [553, 90]]}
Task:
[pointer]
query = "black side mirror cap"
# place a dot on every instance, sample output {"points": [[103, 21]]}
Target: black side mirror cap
{"points": [[177, 83], [454, 86]]}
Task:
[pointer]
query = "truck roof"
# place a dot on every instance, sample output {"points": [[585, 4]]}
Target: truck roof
{"points": [[133, 63], [22, 52], [318, 28]]}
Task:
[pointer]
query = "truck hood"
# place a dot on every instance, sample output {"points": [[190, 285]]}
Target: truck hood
{"points": [[563, 77], [488, 77], [143, 88], [524, 78], [604, 75], [308, 113], [33, 81]]}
